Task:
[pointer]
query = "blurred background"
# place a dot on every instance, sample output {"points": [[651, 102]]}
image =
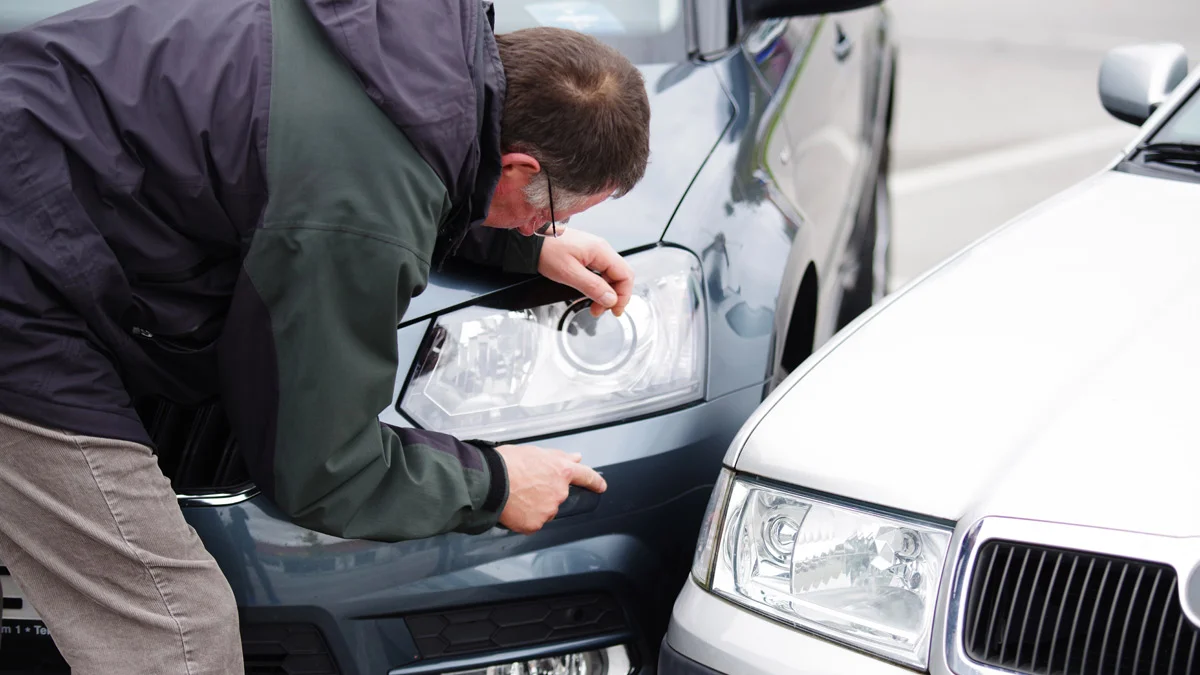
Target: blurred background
{"points": [[997, 109]]}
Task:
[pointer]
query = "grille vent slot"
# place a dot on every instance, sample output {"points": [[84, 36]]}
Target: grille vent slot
{"points": [[286, 649], [510, 626]]}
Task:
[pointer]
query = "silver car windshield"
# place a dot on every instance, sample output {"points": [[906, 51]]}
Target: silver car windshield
{"points": [[646, 31], [1184, 125]]}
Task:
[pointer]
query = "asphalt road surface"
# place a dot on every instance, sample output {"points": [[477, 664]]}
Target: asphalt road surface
{"points": [[997, 109]]}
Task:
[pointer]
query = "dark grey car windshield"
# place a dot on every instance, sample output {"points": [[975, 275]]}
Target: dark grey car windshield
{"points": [[646, 31], [1184, 125]]}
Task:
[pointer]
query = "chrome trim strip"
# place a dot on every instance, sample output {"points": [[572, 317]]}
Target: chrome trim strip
{"points": [[219, 498], [1181, 553], [477, 661]]}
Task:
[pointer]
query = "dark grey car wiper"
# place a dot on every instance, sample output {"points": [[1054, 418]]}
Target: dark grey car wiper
{"points": [[1181, 155]]}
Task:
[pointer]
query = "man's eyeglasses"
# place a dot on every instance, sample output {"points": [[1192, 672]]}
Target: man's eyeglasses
{"points": [[550, 229]]}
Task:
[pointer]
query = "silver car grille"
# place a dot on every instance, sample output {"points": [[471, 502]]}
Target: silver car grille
{"points": [[1045, 599]]}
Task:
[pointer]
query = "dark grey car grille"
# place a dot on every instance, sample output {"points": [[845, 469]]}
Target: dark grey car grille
{"points": [[195, 446], [1048, 611]]}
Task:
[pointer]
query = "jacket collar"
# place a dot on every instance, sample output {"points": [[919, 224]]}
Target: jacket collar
{"points": [[492, 85]]}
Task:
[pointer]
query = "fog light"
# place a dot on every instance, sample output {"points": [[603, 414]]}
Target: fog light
{"points": [[611, 661]]}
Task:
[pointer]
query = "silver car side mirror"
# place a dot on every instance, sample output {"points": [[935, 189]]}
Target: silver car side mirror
{"points": [[1136, 79], [717, 26], [758, 10]]}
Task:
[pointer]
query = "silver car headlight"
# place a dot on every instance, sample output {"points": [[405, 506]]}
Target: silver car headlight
{"points": [[500, 373], [859, 577]]}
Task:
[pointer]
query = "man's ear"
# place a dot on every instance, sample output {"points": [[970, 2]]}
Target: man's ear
{"points": [[519, 166]]}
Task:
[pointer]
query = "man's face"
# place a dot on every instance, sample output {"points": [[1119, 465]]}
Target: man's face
{"points": [[510, 207]]}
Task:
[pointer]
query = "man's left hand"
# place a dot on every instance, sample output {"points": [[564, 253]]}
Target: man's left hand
{"points": [[591, 266]]}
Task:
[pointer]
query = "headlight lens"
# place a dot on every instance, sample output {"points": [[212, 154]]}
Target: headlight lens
{"points": [[501, 374], [863, 578]]}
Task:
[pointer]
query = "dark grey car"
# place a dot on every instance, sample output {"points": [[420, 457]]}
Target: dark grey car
{"points": [[761, 227]]}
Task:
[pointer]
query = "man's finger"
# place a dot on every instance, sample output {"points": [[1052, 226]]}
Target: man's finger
{"points": [[617, 272], [574, 457], [586, 477], [620, 276], [593, 286]]}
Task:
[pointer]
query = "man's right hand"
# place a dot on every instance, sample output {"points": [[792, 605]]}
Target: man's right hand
{"points": [[539, 480]]}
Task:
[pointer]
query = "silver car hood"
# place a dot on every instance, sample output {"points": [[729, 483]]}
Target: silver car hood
{"points": [[1050, 371]]}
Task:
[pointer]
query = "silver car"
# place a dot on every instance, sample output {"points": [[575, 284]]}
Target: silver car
{"points": [[997, 470]]}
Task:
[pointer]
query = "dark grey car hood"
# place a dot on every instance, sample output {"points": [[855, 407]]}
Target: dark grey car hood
{"points": [[16, 14]]}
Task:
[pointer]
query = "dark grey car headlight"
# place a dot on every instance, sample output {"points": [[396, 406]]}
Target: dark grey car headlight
{"points": [[499, 373]]}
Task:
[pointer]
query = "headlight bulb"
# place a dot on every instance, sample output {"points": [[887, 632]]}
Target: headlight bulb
{"points": [[780, 537], [598, 345]]}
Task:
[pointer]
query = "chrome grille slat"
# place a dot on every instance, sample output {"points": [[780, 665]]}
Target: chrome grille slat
{"points": [[1192, 654], [1125, 625], [1141, 638], [987, 642], [1091, 631], [990, 556], [1074, 617], [1012, 607], [1045, 606], [1175, 646], [1162, 624], [1029, 602]]}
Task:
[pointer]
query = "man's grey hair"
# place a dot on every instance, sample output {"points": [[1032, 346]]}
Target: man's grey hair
{"points": [[537, 193], [577, 105]]}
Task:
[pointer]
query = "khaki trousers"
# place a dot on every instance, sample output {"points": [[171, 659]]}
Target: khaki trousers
{"points": [[92, 532]]}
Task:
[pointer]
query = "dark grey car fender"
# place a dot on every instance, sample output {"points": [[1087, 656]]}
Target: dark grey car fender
{"points": [[731, 218]]}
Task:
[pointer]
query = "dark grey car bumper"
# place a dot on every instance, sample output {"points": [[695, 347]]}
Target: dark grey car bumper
{"points": [[617, 562]]}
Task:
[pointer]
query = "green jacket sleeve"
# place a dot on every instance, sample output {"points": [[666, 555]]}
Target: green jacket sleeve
{"points": [[507, 250], [309, 360]]}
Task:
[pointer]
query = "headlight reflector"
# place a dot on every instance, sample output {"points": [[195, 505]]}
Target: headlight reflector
{"points": [[500, 374], [867, 579]]}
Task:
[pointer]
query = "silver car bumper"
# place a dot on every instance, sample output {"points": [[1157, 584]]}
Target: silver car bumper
{"points": [[709, 634]]}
